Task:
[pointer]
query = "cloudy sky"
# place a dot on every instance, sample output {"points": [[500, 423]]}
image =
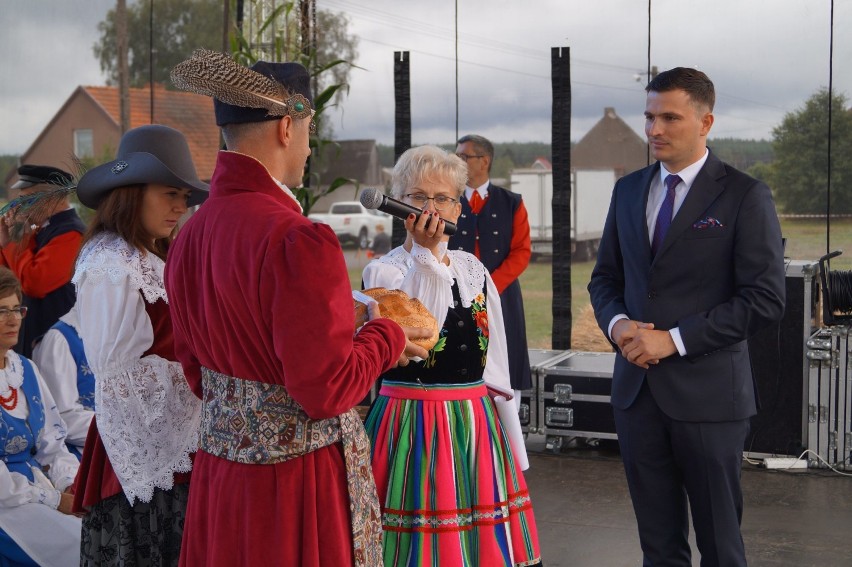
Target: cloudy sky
{"points": [[766, 58]]}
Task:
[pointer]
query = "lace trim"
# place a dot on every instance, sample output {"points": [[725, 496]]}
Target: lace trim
{"points": [[469, 273], [12, 376], [148, 419], [109, 257], [464, 267]]}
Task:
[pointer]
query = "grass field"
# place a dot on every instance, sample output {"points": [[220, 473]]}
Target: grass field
{"points": [[806, 240]]}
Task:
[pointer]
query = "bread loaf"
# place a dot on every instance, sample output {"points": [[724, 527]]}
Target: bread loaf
{"points": [[396, 305]]}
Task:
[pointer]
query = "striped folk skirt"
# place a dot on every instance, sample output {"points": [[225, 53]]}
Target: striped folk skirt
{"points": [[450, 490]]}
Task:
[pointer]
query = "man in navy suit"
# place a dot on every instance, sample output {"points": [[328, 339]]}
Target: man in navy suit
{"points": [[688, 269]]}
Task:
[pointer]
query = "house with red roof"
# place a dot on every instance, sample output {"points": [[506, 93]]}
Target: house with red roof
{"points": [[87, 127]]}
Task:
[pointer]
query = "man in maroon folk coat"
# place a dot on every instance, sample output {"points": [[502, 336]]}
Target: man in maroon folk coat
{"points": [[263, 321]]}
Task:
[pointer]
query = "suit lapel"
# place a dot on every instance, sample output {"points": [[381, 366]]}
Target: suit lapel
{"points": [[638, 207], [705, 189]]}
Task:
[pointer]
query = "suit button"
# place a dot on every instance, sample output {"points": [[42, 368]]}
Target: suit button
{"points": [[464, 216], [496, 251], [460, 323], [496, 233], [477, 237], [463, 372], [652, 295], [494, 215], [464, 232], [461, 248], [463, 348]]}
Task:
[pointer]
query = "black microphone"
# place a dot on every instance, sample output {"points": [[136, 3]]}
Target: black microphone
{"points": [[373, 199]]}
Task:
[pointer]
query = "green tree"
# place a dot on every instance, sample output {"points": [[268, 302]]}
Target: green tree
{"points": [[278, 37], [799, 173], [180, 27]]}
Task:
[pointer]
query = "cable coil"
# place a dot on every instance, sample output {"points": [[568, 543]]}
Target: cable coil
{"points": [[840, 291]]}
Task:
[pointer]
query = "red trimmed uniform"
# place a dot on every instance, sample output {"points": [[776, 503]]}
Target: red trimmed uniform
{"points": [[506, 253], [259, 292], [45, 266]]}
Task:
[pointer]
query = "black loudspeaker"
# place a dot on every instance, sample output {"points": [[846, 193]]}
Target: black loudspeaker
{"points": [[780, 369]]}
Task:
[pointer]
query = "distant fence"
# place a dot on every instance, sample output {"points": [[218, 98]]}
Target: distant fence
{"points": [[813, 216]]}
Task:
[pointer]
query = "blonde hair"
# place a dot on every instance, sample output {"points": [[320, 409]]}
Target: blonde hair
{"points": [[427, 163]]}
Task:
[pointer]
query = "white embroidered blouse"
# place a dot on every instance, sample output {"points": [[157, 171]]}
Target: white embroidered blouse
{"points": [[59, 369], [421, 275], [147, 417]]}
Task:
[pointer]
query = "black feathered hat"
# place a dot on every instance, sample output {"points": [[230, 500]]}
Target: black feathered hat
{"points": [[31, 175], [293, 76]]}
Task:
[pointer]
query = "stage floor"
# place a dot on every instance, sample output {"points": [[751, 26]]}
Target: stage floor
{"points": [[585, 518]]}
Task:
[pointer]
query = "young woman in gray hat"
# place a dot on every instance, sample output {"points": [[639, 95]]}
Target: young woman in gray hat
{"points": [[133, 479]]}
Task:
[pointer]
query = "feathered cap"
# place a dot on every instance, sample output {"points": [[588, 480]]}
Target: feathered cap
{"points": [[147, 154], [266, 91], [29, 210], [31, 175]]}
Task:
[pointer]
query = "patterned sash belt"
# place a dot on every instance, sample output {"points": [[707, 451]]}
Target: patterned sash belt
{"points": [[252, 422]]}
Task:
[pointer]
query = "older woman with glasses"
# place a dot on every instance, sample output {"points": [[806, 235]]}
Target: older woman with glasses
{"points": [[447, 445], [36, 469]]}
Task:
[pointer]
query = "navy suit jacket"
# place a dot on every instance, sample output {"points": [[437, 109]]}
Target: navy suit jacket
{"points": [[718, 277]]}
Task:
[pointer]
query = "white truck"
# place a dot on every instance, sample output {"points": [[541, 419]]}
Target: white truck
{"points": [[353, 222], [591, 190]]}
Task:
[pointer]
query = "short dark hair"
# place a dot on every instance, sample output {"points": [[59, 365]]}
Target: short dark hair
{"points": [[9, 283], [482, 144], [234, 134], [697, 85]]}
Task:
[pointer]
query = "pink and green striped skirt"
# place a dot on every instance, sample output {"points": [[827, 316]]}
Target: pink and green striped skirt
{"points": [[450, 489]]}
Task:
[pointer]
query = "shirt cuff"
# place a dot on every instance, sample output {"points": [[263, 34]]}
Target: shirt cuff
{"points": [[50, 498], [612, 323], [678, 341]]}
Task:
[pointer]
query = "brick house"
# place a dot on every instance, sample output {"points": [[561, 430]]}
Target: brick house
{"points": [[87, 127]]}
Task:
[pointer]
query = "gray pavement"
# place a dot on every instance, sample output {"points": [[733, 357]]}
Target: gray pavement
{"points": [[585, 518]]}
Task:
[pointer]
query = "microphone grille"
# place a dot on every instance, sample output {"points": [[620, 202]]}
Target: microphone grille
{"points": [[371, 198]]}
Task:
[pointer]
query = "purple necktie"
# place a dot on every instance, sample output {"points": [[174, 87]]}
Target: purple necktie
{"points": [[664, 217]]}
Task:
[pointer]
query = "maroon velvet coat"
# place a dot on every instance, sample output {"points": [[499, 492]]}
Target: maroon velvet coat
{"points": [[257, 291]]}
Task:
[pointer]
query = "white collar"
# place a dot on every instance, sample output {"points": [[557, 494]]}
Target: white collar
{"points": [[289, 193], [12, 376], [482, 190], [687, 174]]}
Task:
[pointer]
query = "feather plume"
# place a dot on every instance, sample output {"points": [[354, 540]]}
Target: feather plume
{"points": [[215, 74], [23, 215]]}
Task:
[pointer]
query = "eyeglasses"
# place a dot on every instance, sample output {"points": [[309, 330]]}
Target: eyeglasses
{"points": [[441, 202], [465, 157], [16, 313]]}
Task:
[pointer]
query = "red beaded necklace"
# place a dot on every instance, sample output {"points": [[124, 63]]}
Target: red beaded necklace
{"points": [[11, 402]]}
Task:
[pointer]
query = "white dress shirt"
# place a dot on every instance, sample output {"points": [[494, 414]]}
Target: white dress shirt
{"points": [[656, 196]]}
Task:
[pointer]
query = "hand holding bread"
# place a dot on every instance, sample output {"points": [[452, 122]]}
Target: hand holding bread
{"points": [[407, 312]]}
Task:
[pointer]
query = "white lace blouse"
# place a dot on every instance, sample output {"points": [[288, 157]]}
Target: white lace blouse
{"points": [[421, 275], [147, 417], [16, 489]]}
